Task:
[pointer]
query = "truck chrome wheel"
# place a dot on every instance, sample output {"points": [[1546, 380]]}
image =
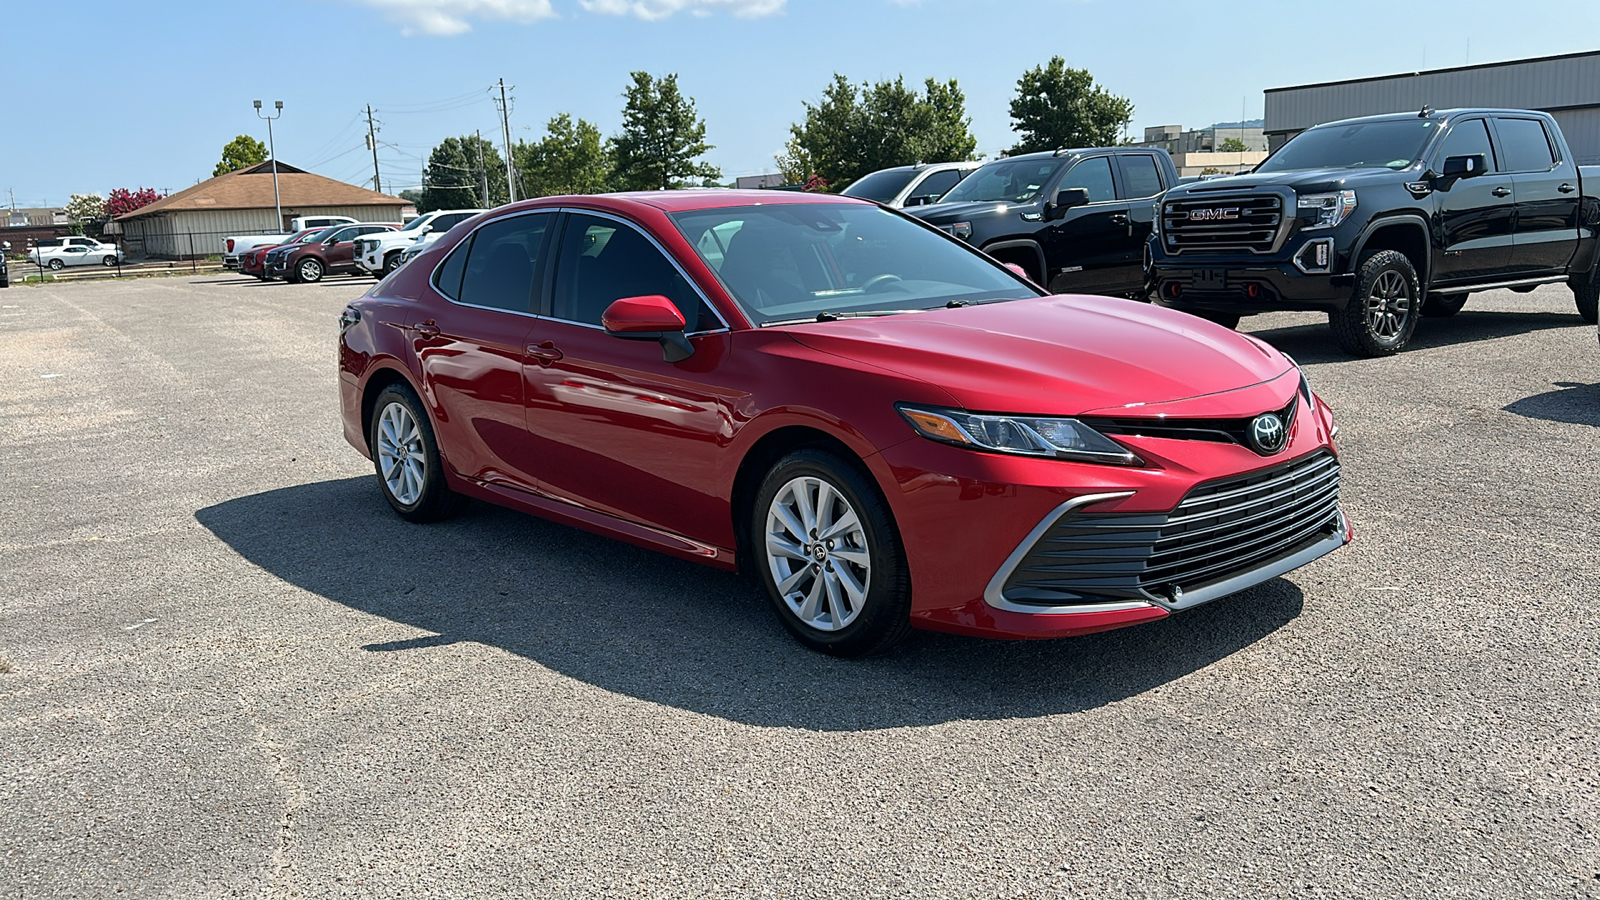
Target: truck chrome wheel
{"points": [[1389, 305], [817, 551]]}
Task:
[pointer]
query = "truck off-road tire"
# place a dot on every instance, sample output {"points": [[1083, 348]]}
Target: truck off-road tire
{"points": [[1443, 306], [1586, 293], [1383, 309], [390, 263]]}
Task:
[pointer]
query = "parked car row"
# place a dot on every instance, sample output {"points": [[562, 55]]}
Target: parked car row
{"points": [[1378, 221], [238, 245], [74, 250], [380, 254]]}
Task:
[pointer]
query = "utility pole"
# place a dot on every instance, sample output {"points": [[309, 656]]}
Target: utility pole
{"points": [[372, 141], [505, 126], [273, 149], [483, 169]]}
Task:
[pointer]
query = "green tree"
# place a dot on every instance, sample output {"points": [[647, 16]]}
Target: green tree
{"points": [[411, 195], [456, 172], [1233, 145], [662, 137], [240, 153], [571, 158], [857, 130], [1057, 107]]}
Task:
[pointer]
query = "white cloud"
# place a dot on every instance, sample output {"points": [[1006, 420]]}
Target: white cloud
{"points": [[660, 9], [447, 17]]}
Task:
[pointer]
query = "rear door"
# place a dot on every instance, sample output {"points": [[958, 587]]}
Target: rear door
{"points": [[1474, 214], [1545, 233], [1084, 249], [1141, 180]]}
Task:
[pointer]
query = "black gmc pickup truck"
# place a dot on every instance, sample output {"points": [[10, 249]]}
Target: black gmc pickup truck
{"points": [[1383, 219], [1076, 221]]}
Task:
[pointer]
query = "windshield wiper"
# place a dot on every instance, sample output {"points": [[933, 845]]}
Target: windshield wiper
{"points": [[826, 316]]}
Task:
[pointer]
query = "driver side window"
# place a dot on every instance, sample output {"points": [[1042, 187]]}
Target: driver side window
{"points": [[1465, 139], [1094, 175], [603, 260]]}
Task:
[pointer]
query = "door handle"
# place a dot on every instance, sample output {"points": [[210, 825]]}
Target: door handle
{"points": [[545, 352], [1566, 188], [1501, 192], [426, 329], [1119, 218]]}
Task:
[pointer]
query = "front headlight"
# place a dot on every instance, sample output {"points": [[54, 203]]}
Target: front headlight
{"points": [[1022, 435], [1329, 209]]}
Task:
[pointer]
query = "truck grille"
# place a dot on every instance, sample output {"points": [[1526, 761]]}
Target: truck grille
{"points": [[1219, 530], [1222, 224]]}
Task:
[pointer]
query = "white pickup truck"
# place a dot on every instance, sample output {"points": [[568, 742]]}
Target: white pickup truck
{"points": [[379, 254], [235, 247]]}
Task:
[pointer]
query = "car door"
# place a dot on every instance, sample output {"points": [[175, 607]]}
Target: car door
{"points": [[470, 342], [1545, 233], [932, 186], [615, 427], [339, 252], [1083, 249], [1140, 182], [1474, 215], [75, 255]]}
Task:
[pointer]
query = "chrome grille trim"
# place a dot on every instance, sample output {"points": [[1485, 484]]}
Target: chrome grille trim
{"points": [[1259, 225]]}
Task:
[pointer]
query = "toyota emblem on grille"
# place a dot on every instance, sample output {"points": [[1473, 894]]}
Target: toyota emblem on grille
{"points": [[1267, 433], [1214, 215]]}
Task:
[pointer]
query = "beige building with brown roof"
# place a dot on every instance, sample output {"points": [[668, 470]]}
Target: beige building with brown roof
{"points": [[193, 222]]}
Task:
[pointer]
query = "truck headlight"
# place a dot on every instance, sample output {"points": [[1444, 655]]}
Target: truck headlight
{"points": [[1329, 209], [1022, 435]]}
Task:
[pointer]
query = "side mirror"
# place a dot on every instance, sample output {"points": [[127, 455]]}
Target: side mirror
{"points": [[924, 200], [1470, 166], [651, 317], [1066, 200]]}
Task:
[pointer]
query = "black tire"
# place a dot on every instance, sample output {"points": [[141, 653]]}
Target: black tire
{"points": [[1386, 285], [435, 501], [1443, 306], [883, 617], [309, 270], [56, 265], [390, 263], [1586, 294], [109, 261]]}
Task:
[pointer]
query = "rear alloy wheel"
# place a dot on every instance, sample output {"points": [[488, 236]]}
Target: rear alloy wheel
{"points": [[1586, 293], [1443, 306], [1383, 310], [109, 261], [309, 270], [406, 457], [56, 265], [829, 556]]}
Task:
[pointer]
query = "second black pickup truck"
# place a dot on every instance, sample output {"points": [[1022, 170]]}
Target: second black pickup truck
{"points": [[1076, 221], [1384, 219]]}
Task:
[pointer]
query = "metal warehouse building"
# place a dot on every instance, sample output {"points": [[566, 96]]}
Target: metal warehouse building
{"points": [[1567, 87]]}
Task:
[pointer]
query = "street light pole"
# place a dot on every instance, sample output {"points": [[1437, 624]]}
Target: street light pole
{"points": [[272, 148]]}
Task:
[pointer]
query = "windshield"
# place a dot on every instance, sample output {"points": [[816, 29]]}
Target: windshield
{"points": [[1393, 144], [416, 223], [794, 261], [880, 186], [1005, 181]]}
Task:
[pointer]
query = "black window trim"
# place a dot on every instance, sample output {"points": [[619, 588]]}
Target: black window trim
{"points": [[601, 214], [1556, 160]]}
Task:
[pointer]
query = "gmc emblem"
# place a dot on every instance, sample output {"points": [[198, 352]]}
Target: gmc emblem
{"points": [[1214, 215]]}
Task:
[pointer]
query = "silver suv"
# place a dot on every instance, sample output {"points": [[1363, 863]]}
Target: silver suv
{"points": [[917, 185]]}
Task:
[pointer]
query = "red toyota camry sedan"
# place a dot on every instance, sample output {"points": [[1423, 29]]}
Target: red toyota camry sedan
{"points": [[888, 428]]}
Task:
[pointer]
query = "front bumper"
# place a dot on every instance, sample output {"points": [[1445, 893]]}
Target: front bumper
{"points": [[1245, 283], [967, 520]]}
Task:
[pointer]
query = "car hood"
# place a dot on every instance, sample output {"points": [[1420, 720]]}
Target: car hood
{"points": [[945, 213], [1063, 355]]}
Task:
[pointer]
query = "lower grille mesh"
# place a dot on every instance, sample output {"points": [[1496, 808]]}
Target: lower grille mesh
{"points": [[1219, 530]]}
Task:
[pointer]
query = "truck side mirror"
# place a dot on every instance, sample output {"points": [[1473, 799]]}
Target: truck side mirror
{"points": [[1469, 166], [1065, 200]]}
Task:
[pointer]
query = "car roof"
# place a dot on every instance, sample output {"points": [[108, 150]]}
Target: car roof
{"points": [[1437, 115], [689, 199]]}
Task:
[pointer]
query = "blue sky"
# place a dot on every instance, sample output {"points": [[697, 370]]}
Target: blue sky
{"points": [[146, 94]]}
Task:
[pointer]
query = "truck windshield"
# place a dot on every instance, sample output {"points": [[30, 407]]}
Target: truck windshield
{"points": [[880, 186], [1005, 181], [1393, 144]]}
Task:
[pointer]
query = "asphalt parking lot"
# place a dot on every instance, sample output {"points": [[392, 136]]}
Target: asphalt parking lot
{"points": [[231, 671]]}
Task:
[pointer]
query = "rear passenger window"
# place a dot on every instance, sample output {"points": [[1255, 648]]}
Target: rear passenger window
{"points": [[1140, 175], [448, 276], [1095, 176], [1526, 146], [503, 258]]}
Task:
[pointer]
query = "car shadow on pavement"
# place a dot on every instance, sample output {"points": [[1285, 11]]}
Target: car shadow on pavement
{"points": [[1571, 403], [667, 631], [1314, 343]]}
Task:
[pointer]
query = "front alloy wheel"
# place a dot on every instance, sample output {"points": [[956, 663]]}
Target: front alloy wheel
{"points": [[829, 556], [1382, 312], [309, 270], [56, 265]]}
